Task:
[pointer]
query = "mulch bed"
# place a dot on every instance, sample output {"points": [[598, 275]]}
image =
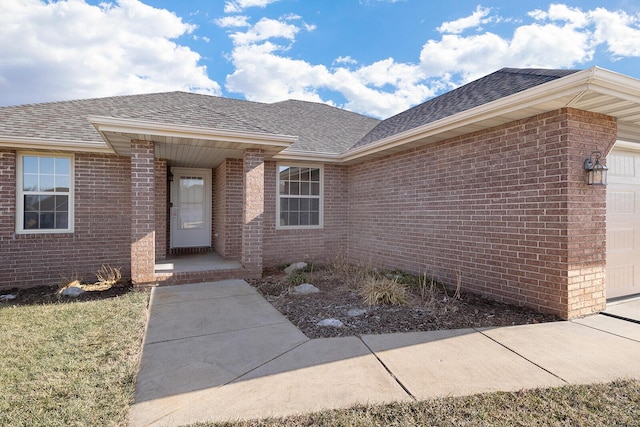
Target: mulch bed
{"points": [[336, 298], [49, 295]]}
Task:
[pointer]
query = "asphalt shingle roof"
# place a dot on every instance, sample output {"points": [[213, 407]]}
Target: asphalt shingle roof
{"points": [[499, 84], [319, 127]]}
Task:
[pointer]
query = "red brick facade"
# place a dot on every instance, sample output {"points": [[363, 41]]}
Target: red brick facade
{"points": [[319, 245], [102, 226], [143, 209], [507, 208], [227, 208], [253, 210]]}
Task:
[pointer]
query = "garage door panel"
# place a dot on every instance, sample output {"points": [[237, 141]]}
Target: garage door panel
{"points": [[623, 223]]}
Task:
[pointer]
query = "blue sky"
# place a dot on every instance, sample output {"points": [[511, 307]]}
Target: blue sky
{"points": [[374, 57]]}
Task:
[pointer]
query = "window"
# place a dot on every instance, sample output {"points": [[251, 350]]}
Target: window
{"points": [[44, 194], [299, 197]]}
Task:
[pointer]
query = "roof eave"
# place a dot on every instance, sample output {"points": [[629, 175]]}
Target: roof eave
{"points": [[573, 84], [27, 143], [107, 125]]}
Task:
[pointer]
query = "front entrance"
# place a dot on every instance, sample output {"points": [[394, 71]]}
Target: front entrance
{"points": [[190, 208], [623, 221]]}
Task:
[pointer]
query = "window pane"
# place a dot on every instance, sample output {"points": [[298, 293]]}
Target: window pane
{"points": [[30, 182], [47, 203], [284, 204], [31, 203], [284, 218], [304, 204], [304, 218], [304, 188], [315, 218], [294, 188], [30, 220], [284, 188], [293, 218], [62, 221], [315, 204], [46, 183], [315, 189], [315, 175], [30, 164], [62, 203], [62, 183], [47, 220], [284, 173], [294, 174], [62, 166], [304, 174], [294, 204], [47, 165]]}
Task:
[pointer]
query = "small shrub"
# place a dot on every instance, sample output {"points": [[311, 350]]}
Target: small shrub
{"points": [[298, 277], [108, 276], [382, 290]]}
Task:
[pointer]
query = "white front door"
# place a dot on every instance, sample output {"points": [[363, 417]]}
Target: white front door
{"points": [[190, 208]]}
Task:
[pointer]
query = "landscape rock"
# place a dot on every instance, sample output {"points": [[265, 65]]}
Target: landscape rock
{"points": [[305, 288], [72, 292], [355, 312], [335, 323], [7, 297], [295, 266]]}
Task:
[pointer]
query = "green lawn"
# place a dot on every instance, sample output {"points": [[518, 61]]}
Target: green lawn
{"points": [[70, 364]]}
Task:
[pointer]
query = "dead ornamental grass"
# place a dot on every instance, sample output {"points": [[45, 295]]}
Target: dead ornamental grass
{"points": [[70, 363]]}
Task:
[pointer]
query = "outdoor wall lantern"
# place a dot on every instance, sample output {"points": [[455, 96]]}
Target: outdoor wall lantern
{"points": [[596, 171]]}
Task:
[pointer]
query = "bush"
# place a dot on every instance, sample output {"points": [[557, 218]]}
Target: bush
{"points": [[382, 290], [298, 277]]}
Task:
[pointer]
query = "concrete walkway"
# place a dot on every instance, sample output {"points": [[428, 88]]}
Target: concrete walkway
{"points": [[219, 351]]}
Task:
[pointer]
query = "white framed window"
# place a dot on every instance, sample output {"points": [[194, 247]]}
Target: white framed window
{"points": [[44, 193], [299, 196]]}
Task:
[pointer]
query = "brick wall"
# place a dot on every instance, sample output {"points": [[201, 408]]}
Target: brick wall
{"points": [[162, 217], [227, 207], [102, 227], [253, 209], [143, 209], [318, 245], [506, 208]]}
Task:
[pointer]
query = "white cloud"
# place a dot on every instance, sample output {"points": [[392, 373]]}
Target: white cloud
{"points": [[619, 31], [558, 37], [69, 49], [345, 60], [237, 6], [262, 73], [265, 29], [459, 25], [233, 21]]}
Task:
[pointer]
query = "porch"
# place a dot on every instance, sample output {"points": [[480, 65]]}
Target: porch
{"points": [[195, 268]]}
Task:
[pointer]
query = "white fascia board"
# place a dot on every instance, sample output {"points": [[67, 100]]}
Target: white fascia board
{"points": [[110, 124], [573, 84], [305, 156], [26, 143]]}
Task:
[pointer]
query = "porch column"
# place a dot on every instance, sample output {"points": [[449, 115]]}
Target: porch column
{"points": [[143, 254], [253, 209]]}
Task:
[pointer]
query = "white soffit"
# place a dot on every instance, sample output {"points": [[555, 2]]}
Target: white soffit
{"points": [[186, 145]]}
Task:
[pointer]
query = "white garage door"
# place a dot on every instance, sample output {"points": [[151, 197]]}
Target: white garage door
{"points": [[623, 221]]}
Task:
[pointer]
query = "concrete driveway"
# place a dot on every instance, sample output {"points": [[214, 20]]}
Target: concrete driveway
{"points": [[219, 351]]}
